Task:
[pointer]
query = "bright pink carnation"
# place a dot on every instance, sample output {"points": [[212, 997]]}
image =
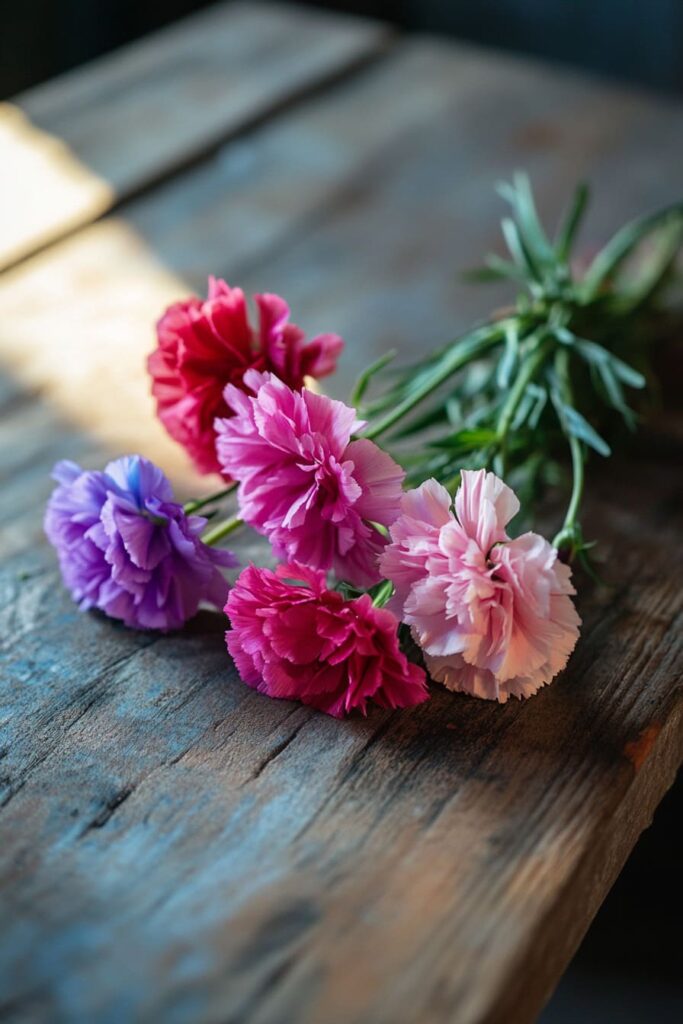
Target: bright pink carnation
{"points": [[303, 483], [204, 345], [293, 638], [494, 616]]}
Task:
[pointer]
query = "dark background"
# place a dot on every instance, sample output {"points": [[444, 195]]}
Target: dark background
{"points": [[629, 967], [636, 40]]}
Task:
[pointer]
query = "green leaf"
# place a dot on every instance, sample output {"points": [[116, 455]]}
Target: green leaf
{"points": [[571, 222], [495, 269], [458, 355], [521, 198], [564, 336], [466, 440], [530, 407], [431, 418], [572, 422], [510, 355], [600, 357], [615, 395], [541, 400], [658, 266], [366, 376], [622, 245], [519, 251]]}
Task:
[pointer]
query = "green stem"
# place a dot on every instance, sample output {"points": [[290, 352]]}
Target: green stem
{"points": [[457, 357], [577, 483], [526, 374], [527, 371], [568, 531], [222, 530], [194, 506], [383, 593]]}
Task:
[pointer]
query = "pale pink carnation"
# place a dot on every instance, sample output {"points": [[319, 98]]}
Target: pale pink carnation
{"points": [[302, 482], [493, 616], [293, 638]]}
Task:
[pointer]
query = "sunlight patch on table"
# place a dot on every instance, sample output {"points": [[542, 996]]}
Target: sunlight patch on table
{"points": [[45, 190], [77, 323]]}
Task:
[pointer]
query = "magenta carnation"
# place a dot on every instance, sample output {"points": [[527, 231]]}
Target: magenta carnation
{"points": [[303, 483], [205, 344], [293, 638], [125, 547], [493, 616]]}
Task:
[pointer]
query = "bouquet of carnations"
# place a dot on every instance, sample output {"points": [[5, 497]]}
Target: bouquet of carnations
{"points": [[389, 517]]}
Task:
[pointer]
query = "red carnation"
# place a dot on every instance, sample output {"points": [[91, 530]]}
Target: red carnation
{"points": [[204, 345]]}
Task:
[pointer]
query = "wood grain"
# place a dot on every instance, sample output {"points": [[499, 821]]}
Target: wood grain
{"points": [[175, 847], [76, 146]]}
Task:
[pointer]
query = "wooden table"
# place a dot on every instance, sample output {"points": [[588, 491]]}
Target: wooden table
{"points": [[175, 847]]}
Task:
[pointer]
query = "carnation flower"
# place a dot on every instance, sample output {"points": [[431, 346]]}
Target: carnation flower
{"points": [[302, 482], [293, 638], [205, 344], [125, 547], [493, 616]]}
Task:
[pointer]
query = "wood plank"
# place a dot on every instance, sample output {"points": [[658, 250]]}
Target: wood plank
{"points": [[239, 859], [255, 855], [76, 146]]}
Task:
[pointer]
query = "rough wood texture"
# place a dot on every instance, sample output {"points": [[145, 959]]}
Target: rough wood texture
{"points": [[74, 147], [174, 847]]}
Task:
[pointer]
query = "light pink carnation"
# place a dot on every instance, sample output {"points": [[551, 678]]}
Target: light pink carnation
{"points": [[302, 482], [494, 616], [290, 637]]}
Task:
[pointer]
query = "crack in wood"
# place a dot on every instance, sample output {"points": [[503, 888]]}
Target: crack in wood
{"points": [[347, 775], [109, 809], [11, 792], [275, 752]]}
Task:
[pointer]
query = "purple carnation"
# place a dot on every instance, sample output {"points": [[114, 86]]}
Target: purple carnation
{"points": [[127, 548]]}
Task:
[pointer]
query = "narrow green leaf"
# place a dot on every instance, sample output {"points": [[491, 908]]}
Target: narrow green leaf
{"points": [[615, 395], [572, 422], [571, 223], [518, 249], [658, 267], [466, 440], [622, 245], [431, 418], [509, 357], [521, 198], [599, 356], [366, 376], [541, 400]]}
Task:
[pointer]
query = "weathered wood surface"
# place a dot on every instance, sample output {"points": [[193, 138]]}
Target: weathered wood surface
{"points": [[174, 847], [74, 147]]}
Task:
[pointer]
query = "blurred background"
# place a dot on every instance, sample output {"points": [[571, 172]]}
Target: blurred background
{"points": [[635, 40], [628, 970]]}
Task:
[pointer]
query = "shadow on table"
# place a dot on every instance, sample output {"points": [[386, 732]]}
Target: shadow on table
{"points": [[628, 968]]}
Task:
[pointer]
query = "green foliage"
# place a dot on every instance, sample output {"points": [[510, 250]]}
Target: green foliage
{"points": [[559, 367]]}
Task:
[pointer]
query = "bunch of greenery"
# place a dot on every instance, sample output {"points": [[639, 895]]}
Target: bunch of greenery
{"points": [[554, 371]]}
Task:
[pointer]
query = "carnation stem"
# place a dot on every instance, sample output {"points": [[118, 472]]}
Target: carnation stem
{"points": [[577, 482], [568, 531], [527, 371], [383, 592], [461, 353], [222, 530], [194, 506]]}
